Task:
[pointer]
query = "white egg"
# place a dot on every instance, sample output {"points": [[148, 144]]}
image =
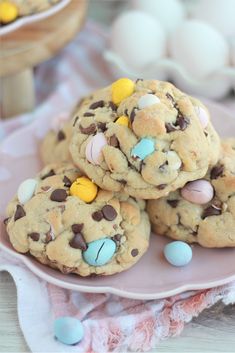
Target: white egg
{"points": [[200, 48], [169, 13], [138, 39], [218, 13]]}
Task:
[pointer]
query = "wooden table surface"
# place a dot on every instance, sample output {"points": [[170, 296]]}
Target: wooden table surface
{"points": [[213, 331]]}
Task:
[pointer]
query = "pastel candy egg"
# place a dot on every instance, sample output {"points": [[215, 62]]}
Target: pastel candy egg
{"points": [[178, 253], [198, 191], [122, 89], [58, 121], [26, 190], [174, 160], [68, 330], [123, 120], [8, 12], [143, 148], [94, 148], [203, 116], [99, 252], [84, 188], [147, 100]]}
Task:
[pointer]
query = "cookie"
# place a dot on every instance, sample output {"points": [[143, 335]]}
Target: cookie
{"points": [[66, 222], [145, 138], [55, 145], [203, 211]]}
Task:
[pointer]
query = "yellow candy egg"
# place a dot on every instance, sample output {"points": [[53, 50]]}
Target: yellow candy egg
{"points": [[84, 188], [122, 89], [8, 12], [123, 120]]}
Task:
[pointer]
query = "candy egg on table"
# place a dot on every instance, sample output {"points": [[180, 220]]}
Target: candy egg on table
{"points": [[178, 253], [199, 48], [168, 12], [138, 39], [68, 330], [218, 13]]}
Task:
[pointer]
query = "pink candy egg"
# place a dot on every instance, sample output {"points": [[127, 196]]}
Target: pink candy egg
{"points": [[203, 116], [198, 191], [94, 148]]}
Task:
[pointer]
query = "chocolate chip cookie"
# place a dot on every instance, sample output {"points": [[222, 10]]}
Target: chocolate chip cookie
{"points": [[66, 222], [145, 138], [203, 211]]}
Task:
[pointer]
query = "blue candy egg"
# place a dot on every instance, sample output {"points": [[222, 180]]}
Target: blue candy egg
{"points": [[68, 330], [178, 253], [143, 148], [99, 252]]}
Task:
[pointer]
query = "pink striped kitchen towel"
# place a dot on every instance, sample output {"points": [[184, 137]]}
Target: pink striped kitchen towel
{"points": [[112, 323]]}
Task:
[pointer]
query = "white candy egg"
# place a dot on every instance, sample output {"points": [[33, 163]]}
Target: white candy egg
{"points": [[147, 100], [138, 39], [200, 48], [218, 13], [169, 13], [26, 190]]}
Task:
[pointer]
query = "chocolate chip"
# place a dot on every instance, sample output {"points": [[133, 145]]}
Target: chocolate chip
{"points": [[142, 164], [134, 252], [211, 211], [169, 127], [173, 203], [89, 114], [89, 130], [19, 212], [162, 167], [5, 221], [102, 126], [95, 105], [49, 236], [113, 141], [34, 236], [61, 136], [169, 96], [78, 242], [59, 195], [161, 186], [122, 181], [182, 122], [217, 171], [97, 216], [132, 115], [49, 174], [126, 112], [113, 106], [109, 212], [77, 228], [67, 182], [117, 237], [75, 121], [45, 188], [138, 79]]}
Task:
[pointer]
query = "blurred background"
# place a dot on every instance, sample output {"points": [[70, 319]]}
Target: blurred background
{"points": [[188, 42]]}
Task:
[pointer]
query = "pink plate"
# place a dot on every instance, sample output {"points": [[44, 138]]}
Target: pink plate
{"points": [[152, 277]]}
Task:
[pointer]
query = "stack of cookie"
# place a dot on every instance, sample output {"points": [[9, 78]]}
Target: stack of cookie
{"points": [[130, 152]]}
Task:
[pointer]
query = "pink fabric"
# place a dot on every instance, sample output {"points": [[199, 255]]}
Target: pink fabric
{"points": [[111, 323]]}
